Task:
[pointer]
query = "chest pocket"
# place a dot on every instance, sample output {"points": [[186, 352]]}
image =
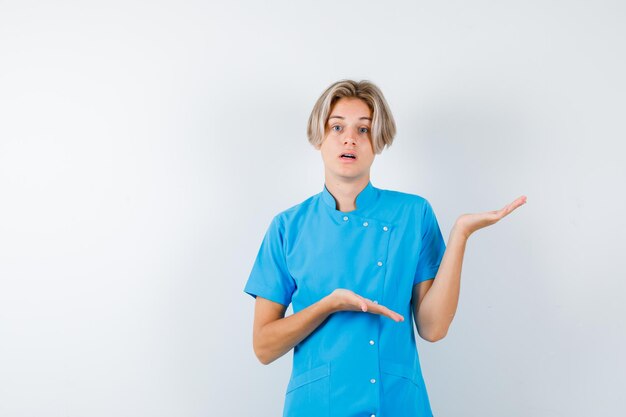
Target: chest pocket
{"points": [[349, 254]]}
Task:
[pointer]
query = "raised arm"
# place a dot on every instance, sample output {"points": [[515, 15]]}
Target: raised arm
{"points": [[435, 301]]}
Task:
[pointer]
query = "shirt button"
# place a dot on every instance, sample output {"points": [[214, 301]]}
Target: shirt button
{"points": [[385, 228], [365, 224], [371, 342], [373, 381], [345, 218], [375, 301], [380, 263], [373, 415]]}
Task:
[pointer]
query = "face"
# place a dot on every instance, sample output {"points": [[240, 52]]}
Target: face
{"points": [[348, 132]]}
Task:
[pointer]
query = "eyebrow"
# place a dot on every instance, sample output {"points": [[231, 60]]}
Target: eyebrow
{"points": [[341, 117]]}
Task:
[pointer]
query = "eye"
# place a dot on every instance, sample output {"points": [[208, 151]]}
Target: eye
{"points": [[364, 130], [336, 126]]}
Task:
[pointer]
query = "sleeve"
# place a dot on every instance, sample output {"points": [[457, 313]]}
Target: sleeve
{"points": [[269, 277], [432, 246]]}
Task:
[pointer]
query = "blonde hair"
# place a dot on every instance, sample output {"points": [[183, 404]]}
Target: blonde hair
{"points": [[383, 125]]}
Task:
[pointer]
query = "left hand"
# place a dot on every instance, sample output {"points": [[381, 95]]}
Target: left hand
{"points": [[469, 223]]}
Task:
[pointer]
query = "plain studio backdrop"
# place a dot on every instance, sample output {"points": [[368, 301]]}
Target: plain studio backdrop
{"points": [[145, 147]]}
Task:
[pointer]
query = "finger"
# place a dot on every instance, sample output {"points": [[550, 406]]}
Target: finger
{"points": [[395, 316], [362, 302], [512, 206], [389, 313], [518, 202]]}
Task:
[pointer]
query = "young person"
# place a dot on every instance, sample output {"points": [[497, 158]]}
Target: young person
{"points": [[356, 262]]}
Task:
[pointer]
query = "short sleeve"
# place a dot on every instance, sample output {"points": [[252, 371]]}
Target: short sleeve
{"points": [[269, 277], [432, 246]]}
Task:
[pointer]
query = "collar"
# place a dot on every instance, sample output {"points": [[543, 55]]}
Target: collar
{"points": [[365, 199]]}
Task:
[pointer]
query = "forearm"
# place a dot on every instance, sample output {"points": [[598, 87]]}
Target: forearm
{"points": [[438, 307], [279, 336]]}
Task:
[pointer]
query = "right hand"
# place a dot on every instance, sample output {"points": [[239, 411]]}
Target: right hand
{"points": [[343, 299]]}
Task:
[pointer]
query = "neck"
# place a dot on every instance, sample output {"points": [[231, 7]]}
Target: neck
{"points": [[346, 191]]}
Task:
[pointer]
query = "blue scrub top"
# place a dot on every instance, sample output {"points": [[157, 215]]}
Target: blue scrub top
{"points": [[354, 363]]}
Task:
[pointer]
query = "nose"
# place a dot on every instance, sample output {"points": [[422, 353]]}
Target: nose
{"points": [[350, 136]]}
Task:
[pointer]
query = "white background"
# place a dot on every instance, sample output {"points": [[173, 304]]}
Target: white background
{"points": [[146, 145]]}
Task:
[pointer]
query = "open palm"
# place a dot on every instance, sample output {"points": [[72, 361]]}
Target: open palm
{"points": [[469, 223]]}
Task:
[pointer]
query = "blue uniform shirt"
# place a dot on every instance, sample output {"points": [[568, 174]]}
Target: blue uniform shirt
{"points": [[354, 363]]}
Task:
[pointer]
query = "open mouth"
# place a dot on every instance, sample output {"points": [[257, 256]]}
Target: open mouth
{"points": [[348, 156]]}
